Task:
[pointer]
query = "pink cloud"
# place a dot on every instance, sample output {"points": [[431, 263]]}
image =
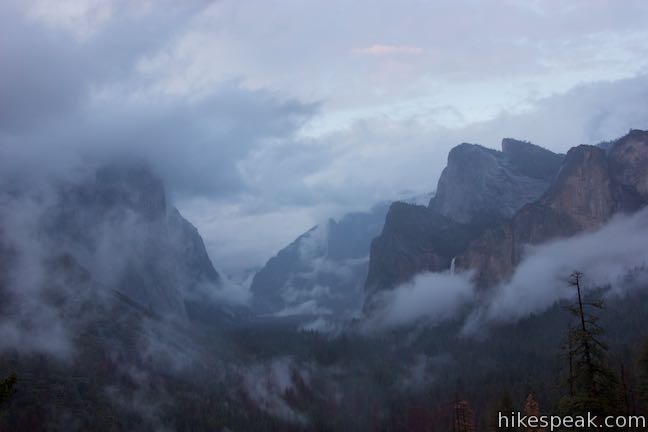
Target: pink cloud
{"points": [[384, 50]]}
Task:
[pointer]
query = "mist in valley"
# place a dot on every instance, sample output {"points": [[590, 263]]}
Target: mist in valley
{"points": [[224, 216]]}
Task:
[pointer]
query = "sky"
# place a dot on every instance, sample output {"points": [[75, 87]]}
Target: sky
{"points": [[267, 117]]}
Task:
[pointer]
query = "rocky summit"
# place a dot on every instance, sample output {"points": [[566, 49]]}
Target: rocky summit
{"points": [[481, 182]]}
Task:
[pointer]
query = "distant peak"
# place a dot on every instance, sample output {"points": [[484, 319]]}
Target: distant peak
{"points": [[469, 152], [634, 135], [464, 147], [125, 169], [509, 144], [638, 133]]}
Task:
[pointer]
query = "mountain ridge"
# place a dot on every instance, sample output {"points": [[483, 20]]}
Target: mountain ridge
{"points": [[581, 191]]}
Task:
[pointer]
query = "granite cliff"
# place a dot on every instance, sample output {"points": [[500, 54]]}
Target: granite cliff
{"points": [[490, 205], [479, 182], [478, 189], [591, 186]]}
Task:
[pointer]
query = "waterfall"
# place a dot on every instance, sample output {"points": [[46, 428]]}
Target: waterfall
{"points": [[452, 265]]}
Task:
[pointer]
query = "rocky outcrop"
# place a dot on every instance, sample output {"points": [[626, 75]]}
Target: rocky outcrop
{"points": [[479, 182], [415, 239], [197, 274], [629, 162]]}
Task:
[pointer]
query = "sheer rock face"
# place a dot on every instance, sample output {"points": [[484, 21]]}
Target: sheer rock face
{"points": [[589, 189], [480, 182], [478, 189], [322, 271], [415, 239], [629, 162], [196, 274], [584, 190]]}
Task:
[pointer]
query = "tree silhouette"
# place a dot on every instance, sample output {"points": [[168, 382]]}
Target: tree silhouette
{"points": [[7, 388], [592, 385], [464, 418], [532, 408], [642, 374]]}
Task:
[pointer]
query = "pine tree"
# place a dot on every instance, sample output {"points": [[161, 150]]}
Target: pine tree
{"points": [[593, 386], [7, 388], [464, 418], [642, 374], [532, 409], [627, 391]]}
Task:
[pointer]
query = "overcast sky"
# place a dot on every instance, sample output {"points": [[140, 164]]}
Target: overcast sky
{"points": [[265, 117]]}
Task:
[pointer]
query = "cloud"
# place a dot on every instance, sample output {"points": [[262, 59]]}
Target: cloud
{"points": [[31, 322], [50, 75], [418, 376], [508, 44], [235, 293], [66, 101], [385, 50], [428, 297], [80, 18], [320, 325], [309, 307]]}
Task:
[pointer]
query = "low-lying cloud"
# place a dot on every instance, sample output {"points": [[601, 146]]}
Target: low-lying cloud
{"points": [[30, 322], [268, 384], [605, 256], [431, 297]]}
